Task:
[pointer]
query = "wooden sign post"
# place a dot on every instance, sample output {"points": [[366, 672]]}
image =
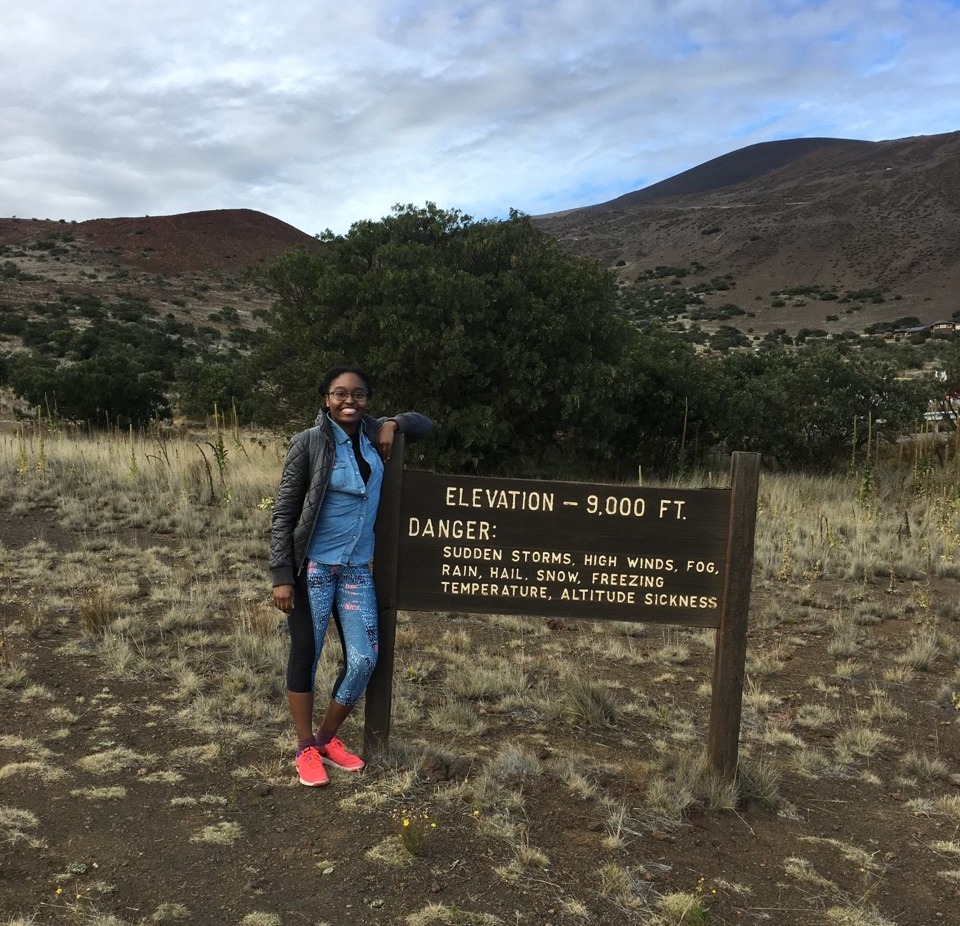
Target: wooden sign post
{"points": [[568, 549]]}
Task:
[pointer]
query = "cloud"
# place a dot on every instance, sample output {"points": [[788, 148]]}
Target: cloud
{"points": [[323, 115]]}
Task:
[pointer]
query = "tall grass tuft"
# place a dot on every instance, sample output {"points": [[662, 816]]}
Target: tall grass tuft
{"points": [[586, 703], [97, 609]]}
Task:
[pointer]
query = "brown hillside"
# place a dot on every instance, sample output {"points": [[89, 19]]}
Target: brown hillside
{"points": [[222, 239], [185, 266], [741, 166], [812, 211]]}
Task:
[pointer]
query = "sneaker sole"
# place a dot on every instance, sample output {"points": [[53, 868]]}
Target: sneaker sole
{"points": [[343, 768], [314, 784]]}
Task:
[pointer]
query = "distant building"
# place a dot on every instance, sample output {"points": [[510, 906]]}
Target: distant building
{"points": [[941, 329]]}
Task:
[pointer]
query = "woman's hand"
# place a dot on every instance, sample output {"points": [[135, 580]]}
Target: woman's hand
{"points": [[388, 430], [283, 598]]}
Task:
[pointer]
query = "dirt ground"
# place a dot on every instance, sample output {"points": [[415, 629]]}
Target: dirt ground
{"points": [[138, 854]]}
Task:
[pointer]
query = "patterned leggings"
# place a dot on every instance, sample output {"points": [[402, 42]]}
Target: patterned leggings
{"points": [[351, 589]]}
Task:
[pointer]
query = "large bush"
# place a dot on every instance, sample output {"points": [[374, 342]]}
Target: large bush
{"points": [[513, 345], [107, 390], [811, 408]]}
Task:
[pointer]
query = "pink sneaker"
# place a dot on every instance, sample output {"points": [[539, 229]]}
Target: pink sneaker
{"points": [[335, 753], [310, 768]]}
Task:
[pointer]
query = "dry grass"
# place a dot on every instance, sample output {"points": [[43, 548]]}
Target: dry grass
{"points": [[225, 833], [15, 825], [113, 760], [436, 914], [492, 692]]}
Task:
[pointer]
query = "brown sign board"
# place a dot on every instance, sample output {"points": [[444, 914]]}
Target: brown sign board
{"points": [[559, 549], [562, 549]]}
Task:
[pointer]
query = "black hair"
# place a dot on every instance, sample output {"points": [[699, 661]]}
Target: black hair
{"points": [[335, 372]]}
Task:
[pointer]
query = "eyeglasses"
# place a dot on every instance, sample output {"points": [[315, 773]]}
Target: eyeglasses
{"points": [[341, 395]]}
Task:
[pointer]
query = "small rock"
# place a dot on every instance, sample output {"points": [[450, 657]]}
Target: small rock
{"points": [[695, 809], [433, 768], [263, 789], [435, 888], [954, 779]]}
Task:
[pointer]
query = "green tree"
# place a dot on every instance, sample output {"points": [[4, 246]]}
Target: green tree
{"points": [[512, 344], [224, 382], [727, 338], [949, 363], [666, 404], [807, 408], [111, 388]]}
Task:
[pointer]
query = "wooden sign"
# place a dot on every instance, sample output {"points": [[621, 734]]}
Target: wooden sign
{"points": [[567, 549], [561, 549]]}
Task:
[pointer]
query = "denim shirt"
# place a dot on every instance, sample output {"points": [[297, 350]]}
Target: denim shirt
{"points": [[344, 532]]}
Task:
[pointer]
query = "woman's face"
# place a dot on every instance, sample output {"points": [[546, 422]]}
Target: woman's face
{"points": [[344, 401]]}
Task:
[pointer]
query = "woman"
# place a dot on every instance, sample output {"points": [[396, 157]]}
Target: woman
{"points": [[320, 552]]}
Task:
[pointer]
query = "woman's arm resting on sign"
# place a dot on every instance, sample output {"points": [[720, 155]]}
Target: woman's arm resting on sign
{"points": [[388, 430]]}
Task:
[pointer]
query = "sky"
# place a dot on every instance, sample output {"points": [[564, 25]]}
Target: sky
{"points": [[324, 114]]}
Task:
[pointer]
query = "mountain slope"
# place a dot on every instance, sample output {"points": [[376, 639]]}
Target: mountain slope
{"points": [[747, 164], [829, 212], [219, 239]]}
